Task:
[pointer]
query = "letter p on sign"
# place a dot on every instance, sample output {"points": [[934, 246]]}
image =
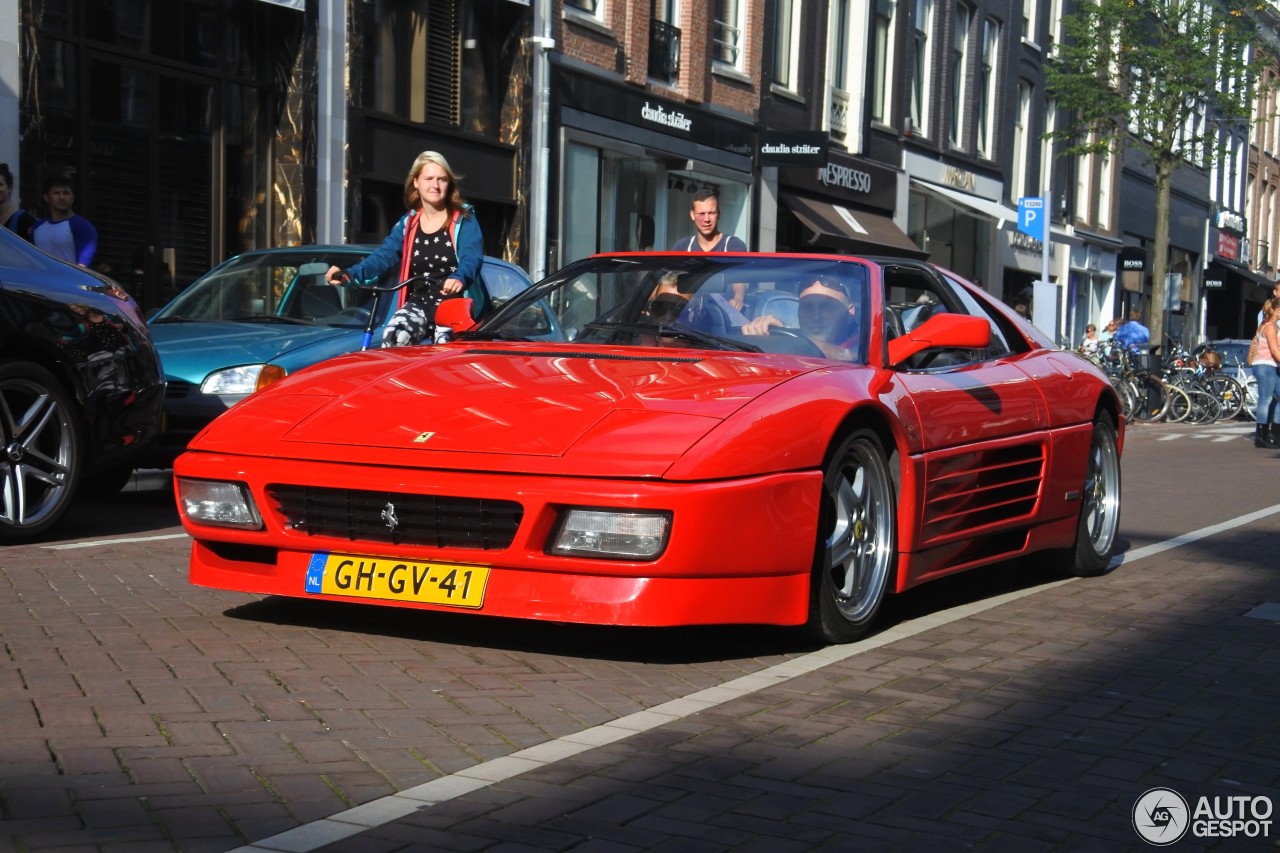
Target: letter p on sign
{"points": [[1031, 217]]}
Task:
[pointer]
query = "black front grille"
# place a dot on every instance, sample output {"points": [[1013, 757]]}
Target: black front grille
{"points": [[398, 518]]}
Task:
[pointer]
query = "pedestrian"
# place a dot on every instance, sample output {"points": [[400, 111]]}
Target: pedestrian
{"points": [[704, 210], [12, 215], [1132, 335], [1275, 294], [438, 237], [1264, 356], [64, 233], [1090, 343], [1108, 331]]}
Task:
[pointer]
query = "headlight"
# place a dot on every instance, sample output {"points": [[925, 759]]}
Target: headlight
{"points": [[612, 534], [233, 380], [219, 504]]}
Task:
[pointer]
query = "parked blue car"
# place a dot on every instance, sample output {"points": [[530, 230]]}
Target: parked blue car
{"points": [[261, 316]]}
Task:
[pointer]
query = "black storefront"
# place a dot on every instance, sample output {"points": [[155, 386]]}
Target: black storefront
{"points": [[626, 164], [182, 125], [1233, 294], [844, 206]]}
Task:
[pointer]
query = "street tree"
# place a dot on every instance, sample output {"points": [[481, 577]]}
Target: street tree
{"points": [[1173, 77]]}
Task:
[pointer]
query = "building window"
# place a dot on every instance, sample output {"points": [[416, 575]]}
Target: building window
{"points": [[847, 71], [882, 60], [413, 60], [786, 44], [986, 88], [664, 41], [727, 33], [922, 31], [1047, 158], [1084, 187], [1021, 143], [1029, 20], [590, 7], [959, 63], [1106, 180]]}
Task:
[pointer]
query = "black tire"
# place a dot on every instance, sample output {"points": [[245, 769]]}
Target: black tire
{"points": [[856, 550], [1099, 525], [40, 465]]}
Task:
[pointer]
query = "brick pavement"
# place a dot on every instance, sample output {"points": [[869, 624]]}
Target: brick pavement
{"points": [[144, 714]]}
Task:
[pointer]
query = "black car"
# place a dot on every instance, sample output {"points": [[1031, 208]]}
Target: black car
{"points": [[80, 386]]}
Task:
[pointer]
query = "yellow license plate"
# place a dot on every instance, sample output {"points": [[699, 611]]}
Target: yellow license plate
{"points": [[393, 579]]}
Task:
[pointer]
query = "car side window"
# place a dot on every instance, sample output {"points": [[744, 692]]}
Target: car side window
{"points": [[1001, 345], [914, 294]]}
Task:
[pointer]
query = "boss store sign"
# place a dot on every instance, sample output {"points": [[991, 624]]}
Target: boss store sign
{"points": [[846, 180]]}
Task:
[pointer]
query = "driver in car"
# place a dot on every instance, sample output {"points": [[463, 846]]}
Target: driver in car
{"points": [[826, 318]]}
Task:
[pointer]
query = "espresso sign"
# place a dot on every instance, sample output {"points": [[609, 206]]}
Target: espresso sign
{"points": [[793, 148]]}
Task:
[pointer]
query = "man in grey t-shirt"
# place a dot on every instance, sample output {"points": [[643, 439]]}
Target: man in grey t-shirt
{"points": [[704, 210]]}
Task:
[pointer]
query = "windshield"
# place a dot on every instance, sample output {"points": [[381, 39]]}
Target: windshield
{"points": [[277, 287], [760, 303]]}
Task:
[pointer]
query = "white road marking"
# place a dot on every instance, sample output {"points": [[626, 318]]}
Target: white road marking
{"points": [[67, 546], [384, 810]]}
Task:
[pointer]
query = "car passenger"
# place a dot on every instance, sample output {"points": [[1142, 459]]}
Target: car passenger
{"points": [[663, 309], [826, 314], [666, 302]]}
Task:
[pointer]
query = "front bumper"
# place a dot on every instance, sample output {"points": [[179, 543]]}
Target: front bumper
{"points": [[739, 551]]}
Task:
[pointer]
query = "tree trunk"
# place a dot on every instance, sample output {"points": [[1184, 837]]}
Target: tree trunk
{"points": [[1160, 250]]}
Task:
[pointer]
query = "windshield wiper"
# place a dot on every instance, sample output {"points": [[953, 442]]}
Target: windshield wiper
{"points": [[499, 335], [680, 333], [275, 318]]}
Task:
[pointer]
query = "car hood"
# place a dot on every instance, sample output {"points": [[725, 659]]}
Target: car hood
{"points": [[498, 407], [191, 351]]}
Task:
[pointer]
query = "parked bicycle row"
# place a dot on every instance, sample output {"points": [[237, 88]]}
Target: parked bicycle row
{"points": [[1179, 386]]}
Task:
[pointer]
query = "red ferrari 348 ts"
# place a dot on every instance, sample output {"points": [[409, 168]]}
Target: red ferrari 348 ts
{"points": [[670, 439]]}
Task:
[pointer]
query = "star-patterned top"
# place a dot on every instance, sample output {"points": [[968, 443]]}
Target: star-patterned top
{"points": [[433, 255]]}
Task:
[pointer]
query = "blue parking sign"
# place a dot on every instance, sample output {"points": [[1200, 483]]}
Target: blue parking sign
{"points": [[1031, 216]]}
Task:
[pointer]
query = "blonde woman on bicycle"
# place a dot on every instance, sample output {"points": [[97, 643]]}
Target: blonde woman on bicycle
{"points": [[1266, 357]]}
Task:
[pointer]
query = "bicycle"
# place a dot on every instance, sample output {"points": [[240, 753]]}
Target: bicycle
{"points": [[1155, 397], [1203, 374], [455, 317]]}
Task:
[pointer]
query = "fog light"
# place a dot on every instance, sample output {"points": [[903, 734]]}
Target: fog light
{"points": [[219, 504], [612, 535]]}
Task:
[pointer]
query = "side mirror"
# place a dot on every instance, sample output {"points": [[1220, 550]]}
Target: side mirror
{"points": [[954, 331], [455, 313]]}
